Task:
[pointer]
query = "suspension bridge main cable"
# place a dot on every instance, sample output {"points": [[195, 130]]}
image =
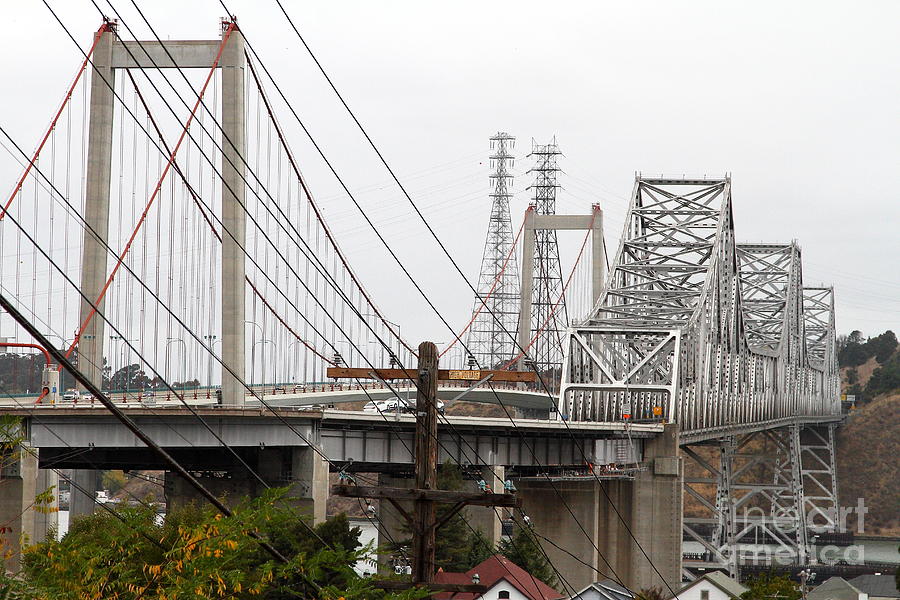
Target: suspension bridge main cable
{"points": [[53, 122]]}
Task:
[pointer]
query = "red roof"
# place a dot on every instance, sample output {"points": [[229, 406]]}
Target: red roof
{"points": [[490, 572]]}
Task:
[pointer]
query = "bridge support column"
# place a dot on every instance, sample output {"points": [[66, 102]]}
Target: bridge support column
{"points": [[309, 482], [649, 506], [234, 148], [656, 513], [18, 478], [546, 503], [96, 207], [47, 517], [83, 493], [820, 486], [485, 518]]}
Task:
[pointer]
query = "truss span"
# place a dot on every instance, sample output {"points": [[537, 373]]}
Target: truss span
{"points": [[696, 329]]}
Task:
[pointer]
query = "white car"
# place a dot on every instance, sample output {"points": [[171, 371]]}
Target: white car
{"points": [[396, 404]]}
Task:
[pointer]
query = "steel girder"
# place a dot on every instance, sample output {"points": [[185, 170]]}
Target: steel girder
{"points": [[818, 472], [696, 329], [756, 511]]}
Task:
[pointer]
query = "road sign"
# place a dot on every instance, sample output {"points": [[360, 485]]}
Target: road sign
{"points": [[464, 375]]}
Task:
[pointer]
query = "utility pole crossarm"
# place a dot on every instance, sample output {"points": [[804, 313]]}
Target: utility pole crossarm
{"points": [[442, 374], [423, 521], [442, 496]]}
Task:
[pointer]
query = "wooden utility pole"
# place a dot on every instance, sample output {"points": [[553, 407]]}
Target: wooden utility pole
{"points": [[426, 462], [425, 495]]}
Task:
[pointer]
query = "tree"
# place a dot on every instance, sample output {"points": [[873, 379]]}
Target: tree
{"points": [[885, 378], [480, 549], [853, 353], [524, 550], [20, 373], [113, 481], [883, 346], [651, 593], [768, 586], [199, 553], [458, 547], [129, 377], [454, 540]]}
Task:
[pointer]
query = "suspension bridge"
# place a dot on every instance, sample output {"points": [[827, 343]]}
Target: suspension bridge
{"points": [[164, 238]]}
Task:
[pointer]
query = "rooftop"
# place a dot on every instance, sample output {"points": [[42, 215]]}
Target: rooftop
{"points": [[490, 572], [881, 586]]}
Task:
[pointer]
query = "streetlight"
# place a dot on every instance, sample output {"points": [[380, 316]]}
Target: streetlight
{"points": [[183, 358], [262, 334], [123, 358], [211, 342], [393, 356], [274, 361]]}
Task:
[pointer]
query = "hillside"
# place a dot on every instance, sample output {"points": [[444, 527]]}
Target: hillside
{"points": [[868, 460], [868, 441]]}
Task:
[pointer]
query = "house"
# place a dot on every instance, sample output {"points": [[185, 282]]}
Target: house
{"points": [[878, 587], [604, 590], [836, 588], [714, 585], [504, 579], [368, 534]]}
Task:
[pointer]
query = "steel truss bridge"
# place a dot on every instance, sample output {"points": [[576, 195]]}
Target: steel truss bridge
{"points": [[723, 339]]}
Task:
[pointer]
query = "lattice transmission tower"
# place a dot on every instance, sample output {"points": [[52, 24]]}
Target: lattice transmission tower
{"points": [[491, 339], [548, 305]]}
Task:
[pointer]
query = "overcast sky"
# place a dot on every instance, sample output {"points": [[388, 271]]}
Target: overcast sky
{"points": [[799, 101]]}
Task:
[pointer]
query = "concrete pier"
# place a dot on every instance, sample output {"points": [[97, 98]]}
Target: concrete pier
{"points": [[650, 506], [84, 492], [18, 485], [23, 518]]}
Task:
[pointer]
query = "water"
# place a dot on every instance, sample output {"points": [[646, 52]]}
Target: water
{"points": [[870, 551]]}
